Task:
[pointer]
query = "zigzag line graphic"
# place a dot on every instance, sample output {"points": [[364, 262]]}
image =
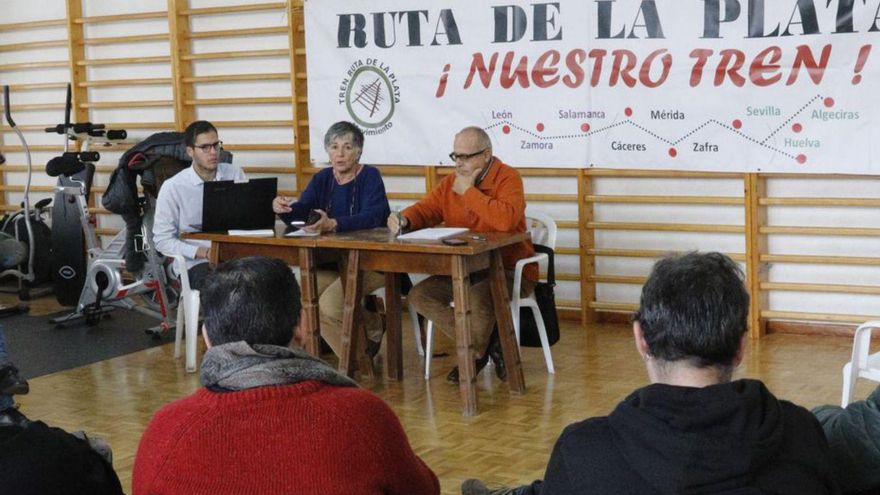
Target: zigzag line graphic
{"points": [[762, 143]]}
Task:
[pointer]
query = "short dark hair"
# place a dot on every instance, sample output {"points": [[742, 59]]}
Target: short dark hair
{"points": [[254, 299], [694, 307], [343, 128], [193, 130]]}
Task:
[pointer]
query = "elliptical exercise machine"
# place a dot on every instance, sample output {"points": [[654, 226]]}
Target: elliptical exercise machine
{"points": [[103, 287], [19, 232]]}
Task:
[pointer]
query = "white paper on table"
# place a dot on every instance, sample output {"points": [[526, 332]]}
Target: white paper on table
{"points": [[432, 234], [253, 233], [301, 233]]}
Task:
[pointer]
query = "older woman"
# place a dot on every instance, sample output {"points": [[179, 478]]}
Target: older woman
{"points": [[348, 196]]}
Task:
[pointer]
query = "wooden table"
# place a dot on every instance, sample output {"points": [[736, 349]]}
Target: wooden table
{"points": [[295, 251], [378, 250]]}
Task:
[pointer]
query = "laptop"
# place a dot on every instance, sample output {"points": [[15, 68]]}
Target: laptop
{"points": [[246, 205]]}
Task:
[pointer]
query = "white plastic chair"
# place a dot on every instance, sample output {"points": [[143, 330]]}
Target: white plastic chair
{"points": [[863, 364], [542, 228], [187, 315]]}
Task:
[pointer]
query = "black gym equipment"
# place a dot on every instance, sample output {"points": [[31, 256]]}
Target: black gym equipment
{"points": [[24, 236], [87, 275]]}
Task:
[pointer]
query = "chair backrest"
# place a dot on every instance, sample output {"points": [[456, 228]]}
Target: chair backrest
{"points": [[542, 227]]}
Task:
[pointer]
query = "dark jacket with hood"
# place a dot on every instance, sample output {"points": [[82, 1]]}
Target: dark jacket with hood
{"points": [[731, 438], [853, 434]]}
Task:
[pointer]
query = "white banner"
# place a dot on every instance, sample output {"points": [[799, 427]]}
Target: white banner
{"points": [[720, 85]]}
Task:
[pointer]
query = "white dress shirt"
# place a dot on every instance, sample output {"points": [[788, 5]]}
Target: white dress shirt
{"points": [[179, 210]]}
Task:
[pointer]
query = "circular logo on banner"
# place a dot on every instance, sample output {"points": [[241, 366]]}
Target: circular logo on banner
{"points": [[371, 94]]}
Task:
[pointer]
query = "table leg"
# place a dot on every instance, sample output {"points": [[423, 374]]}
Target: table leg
{"points": [[393, 336], [214, 254], [509, 346], [350, 309], [311, 321], [464, 349]]}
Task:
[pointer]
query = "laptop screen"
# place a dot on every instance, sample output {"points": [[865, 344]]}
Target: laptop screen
{"points": [[247, 205]]}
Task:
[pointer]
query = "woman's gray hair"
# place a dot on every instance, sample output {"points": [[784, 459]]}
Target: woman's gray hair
{"points": [[343, 128]]}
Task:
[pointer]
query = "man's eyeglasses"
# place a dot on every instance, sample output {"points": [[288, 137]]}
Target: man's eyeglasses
{"points": [[206, 148], [464, 156]]}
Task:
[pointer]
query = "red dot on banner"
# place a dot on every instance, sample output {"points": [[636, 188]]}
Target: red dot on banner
{"points": [[628, 111], [506, 129], [673, 152], [801, 159], [737, 124], [797, 128], [829, 102], [540, 127], [585, 127]]}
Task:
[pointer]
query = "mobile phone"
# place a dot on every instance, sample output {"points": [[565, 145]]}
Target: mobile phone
{"points": [[454, 242], [314, 216]]}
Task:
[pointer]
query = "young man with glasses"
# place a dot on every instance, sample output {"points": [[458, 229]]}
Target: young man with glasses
{"points": [[179, 205], [484, 195]]}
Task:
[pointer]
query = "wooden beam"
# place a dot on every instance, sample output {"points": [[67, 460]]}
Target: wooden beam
{"points": [[78, 71], [180, 45], [756, 243], [100, 19], [587, 241], [236, 9], [229, 33], [17, 26], [667, 227], [298, 91]]}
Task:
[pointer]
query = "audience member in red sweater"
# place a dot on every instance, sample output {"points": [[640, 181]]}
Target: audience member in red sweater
{"points": [[272, 418]]}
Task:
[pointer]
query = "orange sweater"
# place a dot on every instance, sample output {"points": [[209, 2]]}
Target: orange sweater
{"points": [[498, 204]]}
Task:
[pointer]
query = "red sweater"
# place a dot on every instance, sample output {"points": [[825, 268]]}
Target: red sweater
{"points": [[498, 204], [304, 438]]}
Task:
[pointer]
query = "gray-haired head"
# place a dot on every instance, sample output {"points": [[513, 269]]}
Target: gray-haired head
{"points": [[344, 128], [483, 140]]}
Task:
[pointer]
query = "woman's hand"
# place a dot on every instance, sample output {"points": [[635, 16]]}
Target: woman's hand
{"points": [[324, 224], [281, 204]]}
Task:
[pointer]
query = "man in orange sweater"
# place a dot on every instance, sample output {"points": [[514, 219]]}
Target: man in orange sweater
{"points": [[272, 418], [484, 195]]}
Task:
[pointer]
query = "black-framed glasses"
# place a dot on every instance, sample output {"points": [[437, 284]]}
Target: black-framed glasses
{"points": [[206, 148], [464, 156]]}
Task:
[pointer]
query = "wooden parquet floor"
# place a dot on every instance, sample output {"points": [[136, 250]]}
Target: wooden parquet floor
{"points": [[509, 442]]}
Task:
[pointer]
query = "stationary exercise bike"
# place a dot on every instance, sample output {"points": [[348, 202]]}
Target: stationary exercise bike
{"points": [[104, 286], [20, 232]]}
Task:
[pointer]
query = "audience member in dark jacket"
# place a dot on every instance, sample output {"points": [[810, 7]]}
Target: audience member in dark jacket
{"points": [[853, 433], [36, 459], [692, 430]]}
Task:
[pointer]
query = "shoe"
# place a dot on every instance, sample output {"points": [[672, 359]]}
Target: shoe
{"points": [[373, 348], [11, 417], [477, 487], [11, 383], [494, 351], [479, 364]]}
